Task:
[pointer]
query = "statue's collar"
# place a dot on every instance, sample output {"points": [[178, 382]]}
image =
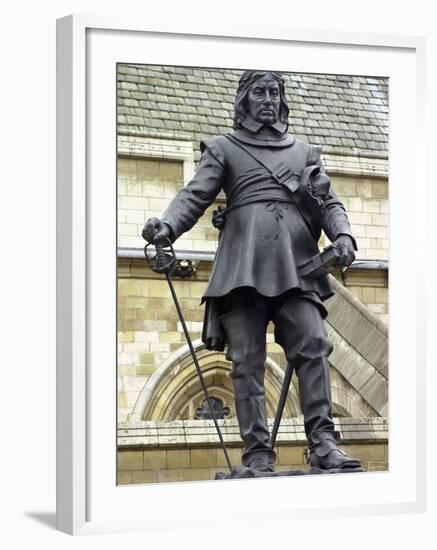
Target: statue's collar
{"points": [[254, 126], [264, 138], [256, 133]]}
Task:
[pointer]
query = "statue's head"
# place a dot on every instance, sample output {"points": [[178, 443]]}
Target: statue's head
{"points": [[262, 95]]}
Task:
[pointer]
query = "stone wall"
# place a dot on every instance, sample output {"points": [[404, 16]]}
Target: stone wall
{"points": [[174, 455], [149, 330], [164, 465], [145, 187]]}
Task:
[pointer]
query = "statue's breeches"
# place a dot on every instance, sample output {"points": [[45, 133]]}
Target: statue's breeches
{"points": [[299, 329]]}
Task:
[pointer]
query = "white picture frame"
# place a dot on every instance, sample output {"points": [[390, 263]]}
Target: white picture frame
{"points": [[87, 498]]}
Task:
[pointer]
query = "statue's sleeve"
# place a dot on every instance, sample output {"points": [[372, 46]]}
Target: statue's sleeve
{"points": [[334, 219], [192, 201]]}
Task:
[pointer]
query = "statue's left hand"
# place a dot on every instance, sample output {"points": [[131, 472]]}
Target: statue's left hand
{"points": [[344, 244]]}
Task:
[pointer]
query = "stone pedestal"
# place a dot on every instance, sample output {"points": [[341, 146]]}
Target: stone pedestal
{"points": [[244, 473]]}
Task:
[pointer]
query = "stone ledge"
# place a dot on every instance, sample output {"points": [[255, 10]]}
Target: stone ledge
{"points": [[202, 433]]}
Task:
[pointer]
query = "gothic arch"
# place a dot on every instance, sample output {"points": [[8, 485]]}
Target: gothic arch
{"points": [[174, 389]]}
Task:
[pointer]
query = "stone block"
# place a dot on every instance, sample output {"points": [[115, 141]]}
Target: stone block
{"points": [[153, 190], [345, 187], [380, 219], [380, 189], [178, 459], [132, 287], [377, 308], [381, 244], [132, 383], [366, 453], [126, 370], [144, 477], [197, 474], [378, 231], [147, 358], [121, 400], [165, 476], [135, 347], [160, 347], [234, 456], [360, 218], [377, 466], [371, 206], [133, 203], [290, 455], [148, 169], [203, 458], [142, 336], [134, 189], [355, 204], [157, 288], [364, 189], [131, 398], [377, 254], [125, 336], [158, 204], [124, 478], [130, 460], [145, 370], [170, 171], [154, 459], [368, 295], [358, 230], [172, 337], [134, 216], [182, 288]]}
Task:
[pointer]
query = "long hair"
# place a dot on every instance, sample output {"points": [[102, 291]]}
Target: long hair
{"points": [[241, 106]]}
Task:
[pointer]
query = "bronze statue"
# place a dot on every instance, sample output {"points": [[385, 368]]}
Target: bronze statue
{"points": [[279, 199]]}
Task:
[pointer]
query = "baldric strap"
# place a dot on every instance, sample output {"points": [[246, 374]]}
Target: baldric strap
{"points": [[284, 176]]}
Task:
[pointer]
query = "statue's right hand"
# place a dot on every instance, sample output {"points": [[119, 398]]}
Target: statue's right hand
{"points": [[155, 230]]}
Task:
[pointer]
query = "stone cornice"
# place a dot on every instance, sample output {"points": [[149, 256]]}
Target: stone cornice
{"points": [[190, 433], [376, 167], [173, 149]]}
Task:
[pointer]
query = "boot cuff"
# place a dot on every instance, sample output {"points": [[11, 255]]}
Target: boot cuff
{"points": [[263, 457], [322, 443]]}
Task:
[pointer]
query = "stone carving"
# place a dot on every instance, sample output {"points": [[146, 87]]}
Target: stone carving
{"points": [[217, 404]]}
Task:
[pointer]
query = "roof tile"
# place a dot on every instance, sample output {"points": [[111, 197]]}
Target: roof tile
{"points": [[344, 113]]}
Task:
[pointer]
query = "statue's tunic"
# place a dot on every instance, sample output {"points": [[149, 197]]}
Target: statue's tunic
{"points": [[266, 236]]}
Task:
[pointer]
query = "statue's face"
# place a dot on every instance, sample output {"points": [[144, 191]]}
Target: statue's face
{"points": [[264, 100]]}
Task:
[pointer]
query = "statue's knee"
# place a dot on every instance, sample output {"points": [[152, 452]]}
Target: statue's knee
{"points": [[246, 363], [309, 348]]}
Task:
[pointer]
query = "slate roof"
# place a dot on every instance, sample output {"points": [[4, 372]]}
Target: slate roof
{"points": [[345, 114]]}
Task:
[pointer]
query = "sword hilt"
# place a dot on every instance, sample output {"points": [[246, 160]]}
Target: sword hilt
{"points": [[165, 258]]}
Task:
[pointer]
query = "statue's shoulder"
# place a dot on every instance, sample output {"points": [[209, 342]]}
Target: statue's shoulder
{"points": [[216, 145], [311, 151], [213, 143]]}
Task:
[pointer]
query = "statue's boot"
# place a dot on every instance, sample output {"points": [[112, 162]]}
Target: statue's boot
{"points": [[325, 455], [246, 337], [300, 330]]}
